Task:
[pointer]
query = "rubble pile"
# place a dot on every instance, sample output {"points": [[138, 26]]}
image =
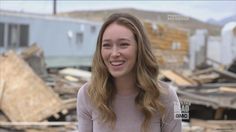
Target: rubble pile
{"points": [[34, 100], [210, 97]]}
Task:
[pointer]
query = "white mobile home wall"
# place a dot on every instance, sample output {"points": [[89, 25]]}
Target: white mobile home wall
{"points": [[57, 36]]}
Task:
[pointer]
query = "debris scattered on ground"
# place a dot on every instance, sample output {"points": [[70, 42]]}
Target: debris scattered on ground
{"points": [[34, 100]]}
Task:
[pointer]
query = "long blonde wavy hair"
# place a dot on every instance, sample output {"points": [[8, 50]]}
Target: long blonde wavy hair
{"points": [[102, 89]]}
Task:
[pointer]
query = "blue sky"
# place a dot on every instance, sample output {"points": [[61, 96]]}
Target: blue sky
{"points": [[201, 10]]}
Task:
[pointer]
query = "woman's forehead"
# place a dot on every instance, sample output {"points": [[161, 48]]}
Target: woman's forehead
{"points": [[117, 31]]}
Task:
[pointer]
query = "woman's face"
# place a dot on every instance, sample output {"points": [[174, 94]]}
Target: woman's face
{"points": [[119, 50]]}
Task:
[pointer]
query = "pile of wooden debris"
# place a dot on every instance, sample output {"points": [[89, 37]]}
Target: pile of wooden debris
{"points": [[33, 99], [211, 96]]}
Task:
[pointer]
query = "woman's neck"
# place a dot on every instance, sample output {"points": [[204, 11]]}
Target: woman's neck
{"points": [[125, 85]]}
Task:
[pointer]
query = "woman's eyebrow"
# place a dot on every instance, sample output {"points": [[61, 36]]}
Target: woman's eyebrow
{"points": [[106, 40], [120, 39], [126, 39]]}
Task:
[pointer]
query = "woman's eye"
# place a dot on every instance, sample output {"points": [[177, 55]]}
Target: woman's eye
{"points": [[106, 45], [124, 44]]}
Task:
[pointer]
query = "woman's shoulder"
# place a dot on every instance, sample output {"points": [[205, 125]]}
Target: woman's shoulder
{"points": [[168, 93], [82, 95], [172, 107], [83, 90], [83, 99]]}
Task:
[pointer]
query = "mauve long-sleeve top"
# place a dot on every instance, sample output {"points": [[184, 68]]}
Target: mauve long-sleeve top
{"points": [[129, 118]]}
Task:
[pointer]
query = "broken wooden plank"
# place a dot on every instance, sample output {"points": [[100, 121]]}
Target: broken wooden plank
{"points": [[71, 78], [226, 73], [26, 97], [214, 100], [54, 127], [205, 78], [69, 103], [67, 128], [30, 124], [227, 89], [86, 75], [214, 125], [176, 78], [204, 71], [202, 123], [209, 85], [194, 96]]}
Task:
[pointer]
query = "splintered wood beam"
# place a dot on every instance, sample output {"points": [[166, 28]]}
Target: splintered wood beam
{"points": [[36, 123], [69, 103], [226, 73], [227, 89], [202, 71], [202, 123], [210, 85], [176, 78], [197, 97], [215, 125]]}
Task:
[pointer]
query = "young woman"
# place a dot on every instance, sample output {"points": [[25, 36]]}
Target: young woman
{"points": [[124, 94]]}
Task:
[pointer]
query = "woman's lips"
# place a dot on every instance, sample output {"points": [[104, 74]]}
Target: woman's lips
{"points": [[117, 63]]}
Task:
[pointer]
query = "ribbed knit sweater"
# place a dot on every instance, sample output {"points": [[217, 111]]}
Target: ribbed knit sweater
{"points": [[129, 118]]}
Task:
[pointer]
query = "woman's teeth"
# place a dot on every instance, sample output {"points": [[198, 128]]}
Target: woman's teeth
{"points": [[117, 63]]}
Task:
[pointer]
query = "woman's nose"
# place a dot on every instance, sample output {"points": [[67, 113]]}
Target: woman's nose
{"points": [[115, 52]]}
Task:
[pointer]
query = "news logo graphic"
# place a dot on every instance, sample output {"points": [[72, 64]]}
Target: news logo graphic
{"points": [[181, 110], [177, 18]]}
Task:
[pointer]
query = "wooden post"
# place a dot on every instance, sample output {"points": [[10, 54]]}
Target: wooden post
{"points": [[219, 113]]}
